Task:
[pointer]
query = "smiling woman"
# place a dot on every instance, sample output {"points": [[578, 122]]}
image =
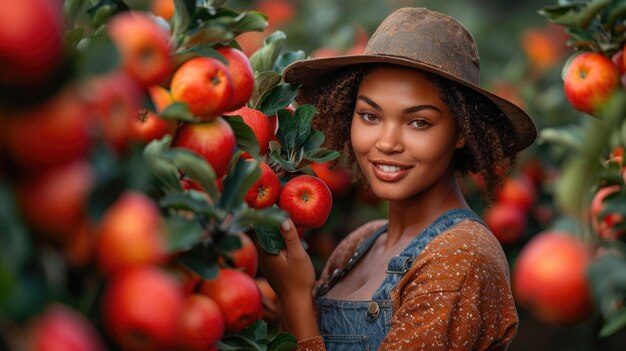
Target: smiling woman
{"points": [[431, 276]]}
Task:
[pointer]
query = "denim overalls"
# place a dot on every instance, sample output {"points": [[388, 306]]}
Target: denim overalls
{"points": [[362, 325]]}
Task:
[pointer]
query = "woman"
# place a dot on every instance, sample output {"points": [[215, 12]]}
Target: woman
{"points": [[431, 276]]}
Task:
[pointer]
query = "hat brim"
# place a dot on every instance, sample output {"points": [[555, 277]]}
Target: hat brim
{"points": [[313, 71]]}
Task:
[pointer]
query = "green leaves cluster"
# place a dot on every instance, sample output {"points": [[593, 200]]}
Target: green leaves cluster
{"points": [[256, 338], [595, 25]]}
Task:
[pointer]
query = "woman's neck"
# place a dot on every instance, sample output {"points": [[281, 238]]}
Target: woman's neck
{"points": [[410, 216]]}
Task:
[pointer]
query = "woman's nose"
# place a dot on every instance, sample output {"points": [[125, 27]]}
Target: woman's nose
{"points": [[390, 139]]}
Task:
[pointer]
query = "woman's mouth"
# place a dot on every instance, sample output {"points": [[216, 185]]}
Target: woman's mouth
{"points": [[389, 173]]}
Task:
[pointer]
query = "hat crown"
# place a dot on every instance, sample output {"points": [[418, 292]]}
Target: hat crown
{"points": [[430, 38]]}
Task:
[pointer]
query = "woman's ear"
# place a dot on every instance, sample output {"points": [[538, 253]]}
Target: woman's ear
{"points": [[460, 142]]}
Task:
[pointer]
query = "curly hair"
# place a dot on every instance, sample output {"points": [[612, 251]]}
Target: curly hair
{"points": [[488, 149]]}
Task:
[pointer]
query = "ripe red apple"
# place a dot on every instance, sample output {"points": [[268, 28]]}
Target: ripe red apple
{"points": [[205, 85], [114, 101], [605, 227], [31, 42], [237, 295], [61, 328], [147, 125], [506, 221], [188, 279], [589, 81], [337, 178], [51, 133], [269, 300], [246, 256], [141, 308], [214, 140], [549, 278], [163, 8], [517, 191], [266, 190], [55, 202], [201, 324], [259, 123], [241, 74], [131, 233], [143, 45], [307, 200]]}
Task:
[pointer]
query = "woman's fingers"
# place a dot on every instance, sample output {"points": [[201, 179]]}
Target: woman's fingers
{"points": [[290, 235]]}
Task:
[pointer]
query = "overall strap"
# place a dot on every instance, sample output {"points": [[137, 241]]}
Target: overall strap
{"points": [[338, 273]]}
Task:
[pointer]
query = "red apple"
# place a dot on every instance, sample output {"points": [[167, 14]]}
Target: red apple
{"points": [[589, 81], [270, 312], [246, 256], [605, 227], [214, 140], [141, 308], [31, 42], [506, 221], [114, 102], [55, 203], [201, 324], [163, 8], [549, 278], [307, 200], [266, 190], [259, 123], [241, 74], [49, 134], [61, 328], [205, 85], [238, 297], [337, 178], [143, 45], [147, 125], [518, 192], [131, 233]]}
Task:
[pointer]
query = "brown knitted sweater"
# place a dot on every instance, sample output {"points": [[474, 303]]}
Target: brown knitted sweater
{"points": [[456, 296]]}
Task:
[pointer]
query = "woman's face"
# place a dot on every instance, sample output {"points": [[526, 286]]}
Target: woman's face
{"points": [[402, 134]]}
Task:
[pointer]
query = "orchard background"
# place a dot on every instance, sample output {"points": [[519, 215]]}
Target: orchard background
{"points": [[126, 206]]}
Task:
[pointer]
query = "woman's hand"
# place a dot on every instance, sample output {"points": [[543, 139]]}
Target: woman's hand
{"points": [[292, 276]]}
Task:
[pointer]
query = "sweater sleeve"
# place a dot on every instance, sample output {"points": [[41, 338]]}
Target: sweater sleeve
{"points": [[456, 296]]}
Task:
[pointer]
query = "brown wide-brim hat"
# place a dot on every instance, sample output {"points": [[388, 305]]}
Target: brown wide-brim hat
{"points": [[426, 40]]}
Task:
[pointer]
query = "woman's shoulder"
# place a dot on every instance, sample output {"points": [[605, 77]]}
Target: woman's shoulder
{"points": [[349, 244]]}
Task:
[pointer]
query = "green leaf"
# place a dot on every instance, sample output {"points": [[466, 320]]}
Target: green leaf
{"points": [[278, 98], [282, 342], [288, 131], [74, 36], [246, 140], [250, 21], [15, 241], [304, 115], [322, 155], [71, 9], [270, 216], [164, 170], [574, 15], [269, 238], [196, 167], [182, 233], [101, 14], [99, 56], [179, 111], [229, 243], [187, 201], [574, 183], [569, 137], [200, 259], [264, 83], [614, 203], [204, 50], [183, 12], [209, 33], [238, 182], [313, 142], [289, 166], [287, 58], [265, 58], [613, 325]]}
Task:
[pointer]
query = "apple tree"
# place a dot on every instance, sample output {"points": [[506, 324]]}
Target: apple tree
{"points": [[129, 162]]}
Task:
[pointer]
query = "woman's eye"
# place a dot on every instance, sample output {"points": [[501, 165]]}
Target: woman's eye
{"points": [[419, 123], [368, 117]]}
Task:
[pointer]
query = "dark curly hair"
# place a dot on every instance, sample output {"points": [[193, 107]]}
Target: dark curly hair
{"points": [[488, 149]]}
